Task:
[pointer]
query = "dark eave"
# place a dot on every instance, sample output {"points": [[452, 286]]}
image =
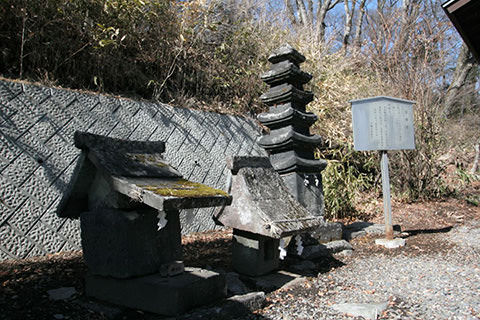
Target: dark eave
{"points": [[465, 16]]}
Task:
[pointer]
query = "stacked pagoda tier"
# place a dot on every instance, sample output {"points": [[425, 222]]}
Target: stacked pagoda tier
{"points": [[289, 142]]}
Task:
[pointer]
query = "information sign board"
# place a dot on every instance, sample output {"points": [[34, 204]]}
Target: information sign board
{"points": [[382, 123]]}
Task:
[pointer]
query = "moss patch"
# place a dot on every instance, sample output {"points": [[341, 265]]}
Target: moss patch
{"points": [[184, 189], [147, 159]]}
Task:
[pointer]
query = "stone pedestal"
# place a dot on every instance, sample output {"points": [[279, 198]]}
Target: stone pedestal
{"points": [[164, 295], [254, 254]]}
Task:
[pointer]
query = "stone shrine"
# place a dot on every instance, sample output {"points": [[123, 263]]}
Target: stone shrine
{"points": [[289, 143], [128, 200], [262, 212]]}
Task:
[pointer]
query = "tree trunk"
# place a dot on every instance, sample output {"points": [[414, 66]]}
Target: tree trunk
{"points": [[310, 12], [477, 155], [357, 41], [290, 11], [349, 12], [302, 12], [464, 66], [322, 10]]}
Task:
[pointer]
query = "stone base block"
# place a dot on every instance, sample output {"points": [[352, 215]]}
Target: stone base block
{"points": [[254, 254], [157, 294], [390, 244], [124, 244]]}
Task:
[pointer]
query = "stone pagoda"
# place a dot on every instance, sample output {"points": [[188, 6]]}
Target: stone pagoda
{"points": [[289, 142]]}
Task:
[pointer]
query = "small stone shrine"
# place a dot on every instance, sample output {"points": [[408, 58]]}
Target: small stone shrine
{"points": [[289, 143], [262, 212], [128, 200]]}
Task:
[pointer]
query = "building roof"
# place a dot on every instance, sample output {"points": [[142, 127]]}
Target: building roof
{"points": [[465, 16]]}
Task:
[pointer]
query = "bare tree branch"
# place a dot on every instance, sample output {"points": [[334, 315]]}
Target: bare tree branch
{"points": [[290, 11]]}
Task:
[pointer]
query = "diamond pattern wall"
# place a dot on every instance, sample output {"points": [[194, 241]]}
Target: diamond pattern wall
{"points": [[37, 156]]}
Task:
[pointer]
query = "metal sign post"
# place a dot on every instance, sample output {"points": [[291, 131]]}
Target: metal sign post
{"points": [[383, 123], [387, 208]]}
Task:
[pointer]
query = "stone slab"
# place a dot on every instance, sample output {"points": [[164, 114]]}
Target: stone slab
{"points": [[362, 228], [252, 300], [272, 281], [365, 310], [330, 231], [63, 293], [236, 307], [391, 244], [263, 205], [326, 249], [163, 295]]}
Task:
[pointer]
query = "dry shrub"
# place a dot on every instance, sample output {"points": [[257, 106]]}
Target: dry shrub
{"points": [[153, 49]]}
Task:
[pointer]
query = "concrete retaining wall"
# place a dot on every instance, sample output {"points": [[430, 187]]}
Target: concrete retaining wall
{"points": [[37, 156]]}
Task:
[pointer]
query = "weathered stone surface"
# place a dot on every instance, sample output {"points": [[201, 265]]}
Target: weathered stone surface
{"points": [[263, 205], [162, 295], [295, 283], [326, 249], [285, 71], [287, 137], [126, 244], [170, 194], [285, 93], [236, 163], [391, 243], [235, 286], [286, 52], [272, 281], [308, 190], [63, 293], [254, 254], [252, 301], [124, 157], [112, 172], [330, 231], [286, 115], [236, 307], [365, 310], [362, 228]]}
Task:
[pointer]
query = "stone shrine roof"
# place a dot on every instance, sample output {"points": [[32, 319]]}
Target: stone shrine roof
{"points": [[262, 203], [135, 169]]}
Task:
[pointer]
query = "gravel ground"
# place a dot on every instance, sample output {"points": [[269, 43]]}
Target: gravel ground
{"points": [[437, 276]]}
